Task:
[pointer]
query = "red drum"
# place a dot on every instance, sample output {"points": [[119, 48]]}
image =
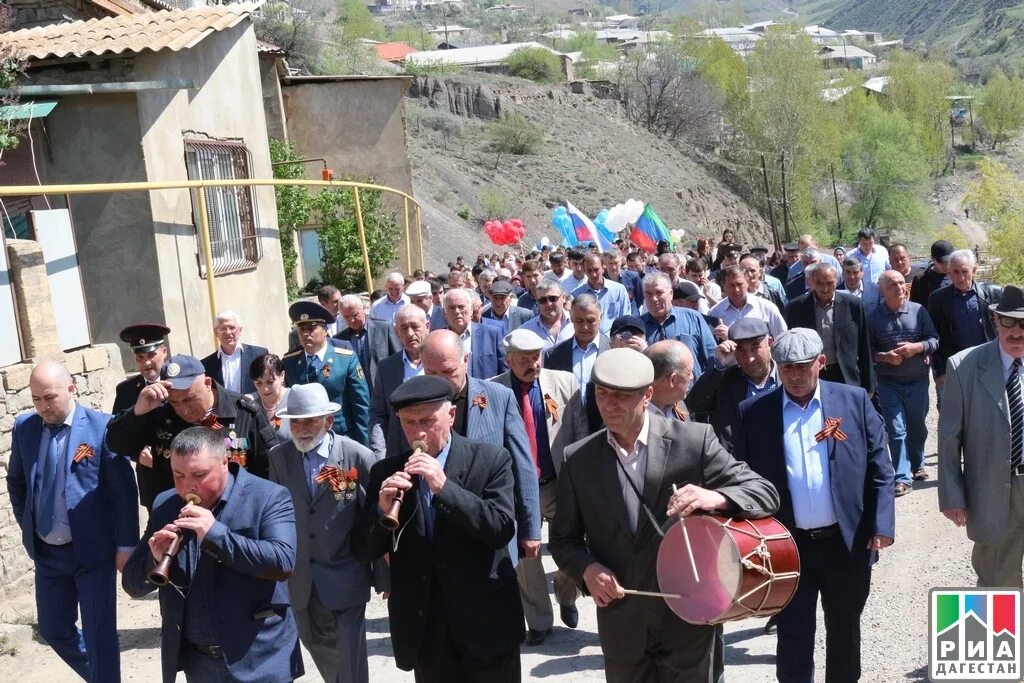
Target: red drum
{"points": [[746, 568]]}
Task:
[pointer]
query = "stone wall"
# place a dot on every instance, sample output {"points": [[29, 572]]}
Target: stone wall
{"points": [[96, 371]]}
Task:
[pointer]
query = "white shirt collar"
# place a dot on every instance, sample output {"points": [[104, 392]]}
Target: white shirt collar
{"points": [[322, 352], [787, 401], [230, 356], [1007, 360], [641, 439]]}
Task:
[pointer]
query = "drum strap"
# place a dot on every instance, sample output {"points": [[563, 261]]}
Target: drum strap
{"points": [[640, 497]]}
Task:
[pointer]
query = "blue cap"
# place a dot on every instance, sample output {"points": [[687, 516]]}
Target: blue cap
{"points": [[627, 322], [181, 371], [309, 312]]}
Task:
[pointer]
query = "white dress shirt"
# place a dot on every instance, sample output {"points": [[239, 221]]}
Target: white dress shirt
{"points": [[634, 465], [755, 307], [231, 369], [807, 471]]}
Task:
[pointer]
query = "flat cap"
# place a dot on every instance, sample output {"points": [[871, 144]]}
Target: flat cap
{"points": [[502, 288], [684, 289], [798, 345], [627, 322], [421, 389], [309, 312], [623, 370], [791, 246], [144, 337], [760, 248], [181, 371], [748, 328], [418, 288], [522, 340], [732, 248]]}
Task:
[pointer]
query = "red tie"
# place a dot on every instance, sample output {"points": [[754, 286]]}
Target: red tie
{"points": [[526, 408]]}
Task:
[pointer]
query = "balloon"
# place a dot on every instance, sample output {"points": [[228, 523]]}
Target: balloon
{"points": [[601, 218]]}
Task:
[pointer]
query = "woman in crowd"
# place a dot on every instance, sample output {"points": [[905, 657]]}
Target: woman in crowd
{"points": [[267, 374]]}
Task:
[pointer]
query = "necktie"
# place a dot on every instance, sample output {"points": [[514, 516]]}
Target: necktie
{"points": [[312, 368], [659, 334], [526, 408], [1016, 404], [428, 510], [47, 497]]}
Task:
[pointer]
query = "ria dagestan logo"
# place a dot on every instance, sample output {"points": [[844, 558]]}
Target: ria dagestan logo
{"points": [[974, 635]]}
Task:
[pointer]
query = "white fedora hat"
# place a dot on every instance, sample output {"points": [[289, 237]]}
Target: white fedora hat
{"points": [[307, 400]]}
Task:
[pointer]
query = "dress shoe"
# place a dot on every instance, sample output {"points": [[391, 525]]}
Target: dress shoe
{"points": [[570, 615], [534, 638], [770, 627]]}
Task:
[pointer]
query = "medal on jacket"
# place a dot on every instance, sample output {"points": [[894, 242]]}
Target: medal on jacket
{"points": [[237, 448], [326, 370]]}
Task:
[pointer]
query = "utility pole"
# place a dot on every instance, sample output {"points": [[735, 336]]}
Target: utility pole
{"points": [[768, 201], [785, 200], [835, 197], [974, 133]]}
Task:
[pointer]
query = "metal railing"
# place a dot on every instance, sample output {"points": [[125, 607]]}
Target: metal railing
{"points": [[206, 251]]}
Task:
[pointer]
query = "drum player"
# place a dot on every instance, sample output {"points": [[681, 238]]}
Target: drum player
{"points": [[614, 496]]}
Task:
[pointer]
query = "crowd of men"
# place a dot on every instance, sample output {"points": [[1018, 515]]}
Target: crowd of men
{"points": [[415, 446]]}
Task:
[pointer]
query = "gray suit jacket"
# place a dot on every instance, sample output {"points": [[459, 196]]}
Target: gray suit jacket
{"points": [[516, 316], [323, 524], [974, 442], [592, 525], [568, 424]]}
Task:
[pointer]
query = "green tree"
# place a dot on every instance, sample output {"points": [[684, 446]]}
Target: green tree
{"points": [[918, 88], [719, 65], [334, 212], [357, 22], [514, 135], [1002, 107], [292, 206], [537, 64], [998, 198], [886, 168]]}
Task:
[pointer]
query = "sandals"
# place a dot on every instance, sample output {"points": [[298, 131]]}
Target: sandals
{"points": [[902, 489], [920, 475]]}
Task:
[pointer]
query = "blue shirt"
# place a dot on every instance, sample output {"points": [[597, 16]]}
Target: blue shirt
{"points": [[887, 329], [198, 626], [874, 264], [536, 325], [968, 329], [60, 533], [547, 466], [613, 298], [385, 309], [770, 382], [314, 461], [807, 472], [583, 364], [688, 327], [427, 496], [408, 369]]}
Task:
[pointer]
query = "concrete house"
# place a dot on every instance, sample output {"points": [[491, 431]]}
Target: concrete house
{"points": [[156, 96]]}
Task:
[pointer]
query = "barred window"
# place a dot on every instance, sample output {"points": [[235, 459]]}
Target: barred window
{"points": [[230, 211]]}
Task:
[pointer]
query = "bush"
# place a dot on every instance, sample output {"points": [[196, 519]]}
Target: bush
{"points": [[463, 212], [448, 125], [495, 205], [513, 134], [536, 64]]}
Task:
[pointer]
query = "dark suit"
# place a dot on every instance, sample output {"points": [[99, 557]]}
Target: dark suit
{"points": [[384, 426], [796, 287], [380, 342], [251, 551], [642, 639], [487, 353], [940, 308], [850, 333], [559, 357], [212, 364], [127, 393], [839, 567], [103, 515], [516, 317], [715, 398], [453, 592]]}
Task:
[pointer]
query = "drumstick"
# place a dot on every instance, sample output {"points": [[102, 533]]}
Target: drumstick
{"points": [[686, 539], [652, 594]]}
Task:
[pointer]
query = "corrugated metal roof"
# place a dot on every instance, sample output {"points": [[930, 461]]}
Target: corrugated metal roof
{"points": [[468, 56], [168, 30]]}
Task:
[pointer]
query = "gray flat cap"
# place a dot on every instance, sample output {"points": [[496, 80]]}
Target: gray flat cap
{"points": [[522, 340], [798, 345], [748, 328], [623, 370]]}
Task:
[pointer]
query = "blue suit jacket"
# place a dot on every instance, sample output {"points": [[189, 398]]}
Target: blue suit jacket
{"points": [[102, 498], [345, 384], [487, 356], [253, 542], [860, 470], [213, 367], [384, 426]]}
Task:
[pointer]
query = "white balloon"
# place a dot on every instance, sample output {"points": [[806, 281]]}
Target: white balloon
{"points": [[634, 209], [617, 218]]}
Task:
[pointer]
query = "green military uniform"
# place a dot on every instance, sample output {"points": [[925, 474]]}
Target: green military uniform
{"points": [[246, 431], [341, 375]]}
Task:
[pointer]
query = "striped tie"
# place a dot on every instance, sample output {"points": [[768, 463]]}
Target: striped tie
{"points": [[1016, 404]]}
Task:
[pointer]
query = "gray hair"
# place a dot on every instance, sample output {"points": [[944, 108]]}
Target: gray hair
{"points": [[964, 256], [351, 300], [487, 272], [195, 440], [451, 293], [852, 262], [547, 285], [668, 357], [586, 300], [396, 278], [225, 316], [656, 278], [474, 298], [410, 311], [822, 267], [810, 253]]}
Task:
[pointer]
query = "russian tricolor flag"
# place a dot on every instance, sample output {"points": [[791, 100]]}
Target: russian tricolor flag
{"points": [[585, 229]]}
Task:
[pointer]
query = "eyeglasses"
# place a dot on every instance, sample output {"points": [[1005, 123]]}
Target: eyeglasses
{"points": [[626, 335], [548, 299], [1009, 323]]}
